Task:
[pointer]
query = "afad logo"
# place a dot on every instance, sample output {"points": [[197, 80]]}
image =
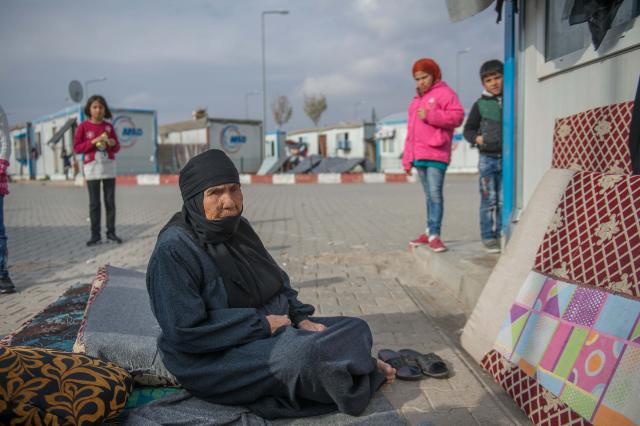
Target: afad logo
{"points": [[126, 131], [231, 140]]}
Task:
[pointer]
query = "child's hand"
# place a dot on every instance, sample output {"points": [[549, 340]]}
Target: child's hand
{"points": [[479, 140], [102, 138], [422, 113], [111, 142], [408, 172]]}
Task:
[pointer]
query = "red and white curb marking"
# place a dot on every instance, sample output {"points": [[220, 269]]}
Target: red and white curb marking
{"points": [[277, 179]]}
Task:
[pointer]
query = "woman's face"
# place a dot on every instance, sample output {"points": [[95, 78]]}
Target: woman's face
{"points": [[424, 81], [222, 201], [97, 111]]}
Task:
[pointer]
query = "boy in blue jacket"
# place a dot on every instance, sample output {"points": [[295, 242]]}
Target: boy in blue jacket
{"points": [[483, 130]]}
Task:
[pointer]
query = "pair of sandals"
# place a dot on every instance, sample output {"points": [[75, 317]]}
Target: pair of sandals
{"points": [[413, 365]]}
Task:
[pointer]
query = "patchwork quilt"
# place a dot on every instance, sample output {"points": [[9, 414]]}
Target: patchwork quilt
{"points": [[580, 343], [568, 351]]}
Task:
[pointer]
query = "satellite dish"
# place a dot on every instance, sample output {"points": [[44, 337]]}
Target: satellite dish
{"points": [[75, 91]]}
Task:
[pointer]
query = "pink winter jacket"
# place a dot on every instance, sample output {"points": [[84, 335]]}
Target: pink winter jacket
{"points": [[430, 139]]}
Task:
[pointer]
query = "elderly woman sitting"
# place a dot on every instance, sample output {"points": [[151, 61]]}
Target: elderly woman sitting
{"points": [[233, 329]]}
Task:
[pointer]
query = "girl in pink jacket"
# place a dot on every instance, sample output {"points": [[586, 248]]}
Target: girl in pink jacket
{"points": [[434, 113]]}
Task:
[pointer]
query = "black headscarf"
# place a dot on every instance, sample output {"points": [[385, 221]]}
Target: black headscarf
{"points": [[251, 277]]}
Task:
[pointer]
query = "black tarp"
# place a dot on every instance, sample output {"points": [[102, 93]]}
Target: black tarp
{"points": [[277, 166], [307, 164], [338, 165], [598, 13], [318, 164], [61, 131]]}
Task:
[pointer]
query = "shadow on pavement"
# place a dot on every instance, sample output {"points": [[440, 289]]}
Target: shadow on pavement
{"points": [[277, 248], [319, 282], [260, 222], [49, 255]]}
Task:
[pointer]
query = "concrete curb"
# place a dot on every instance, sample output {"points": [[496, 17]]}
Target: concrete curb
{"points": [[464, 269], [276, 179]]}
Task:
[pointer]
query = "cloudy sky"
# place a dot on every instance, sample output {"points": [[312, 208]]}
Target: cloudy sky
{"points": [[172, 56]]}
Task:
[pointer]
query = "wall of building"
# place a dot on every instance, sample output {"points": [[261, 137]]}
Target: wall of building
{"points": [[555, 89], [464, 158], [310, 138], [137, 134], [242, 141], [355, 142], [195, 136], [392, 144], [356, 137], [49, 162], [20, 152]]}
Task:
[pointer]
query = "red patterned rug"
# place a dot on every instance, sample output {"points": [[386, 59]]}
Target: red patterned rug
{"points": [[595, 140]]}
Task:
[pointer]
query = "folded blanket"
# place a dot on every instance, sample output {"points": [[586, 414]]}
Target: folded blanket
{"points": [[120, 327]]}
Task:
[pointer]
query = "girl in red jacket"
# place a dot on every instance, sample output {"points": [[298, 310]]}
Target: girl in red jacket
{"points": [[97, 141], [434, 113]]}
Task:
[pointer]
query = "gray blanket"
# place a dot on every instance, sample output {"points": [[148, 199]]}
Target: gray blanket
{"points": [[183, 409]]}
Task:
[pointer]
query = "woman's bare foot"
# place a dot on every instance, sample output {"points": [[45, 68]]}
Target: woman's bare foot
{"points": [[387, 370]]}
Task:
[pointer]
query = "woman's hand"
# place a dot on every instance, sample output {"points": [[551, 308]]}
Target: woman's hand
{"points": [[277, 321], [422, 113], [311, 326]]}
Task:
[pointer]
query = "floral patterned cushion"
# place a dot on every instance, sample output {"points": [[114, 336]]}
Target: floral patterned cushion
{"points": [[44, 386]]}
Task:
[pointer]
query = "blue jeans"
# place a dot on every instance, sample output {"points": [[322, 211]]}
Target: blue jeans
{"points": [[432, 180], [3, 242], [490, 197]]}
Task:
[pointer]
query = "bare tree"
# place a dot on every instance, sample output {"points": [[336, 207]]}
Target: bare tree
{"points": [[314, 106], [282, 110]]}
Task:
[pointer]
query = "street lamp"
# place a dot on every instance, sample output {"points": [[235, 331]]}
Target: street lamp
{"points": [[264, 72], [458, 53], [246, 101], [93, 80]]}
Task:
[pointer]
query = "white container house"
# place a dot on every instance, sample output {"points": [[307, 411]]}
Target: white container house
{"points": [[240, 139], [560, 74], [345, 140], [37, 153]]}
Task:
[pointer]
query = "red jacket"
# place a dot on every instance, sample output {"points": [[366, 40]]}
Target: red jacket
{"points": [[88, 131], [430, 139]]}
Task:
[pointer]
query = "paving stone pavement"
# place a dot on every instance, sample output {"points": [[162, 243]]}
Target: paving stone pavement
{"points": [[344, 246]]}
